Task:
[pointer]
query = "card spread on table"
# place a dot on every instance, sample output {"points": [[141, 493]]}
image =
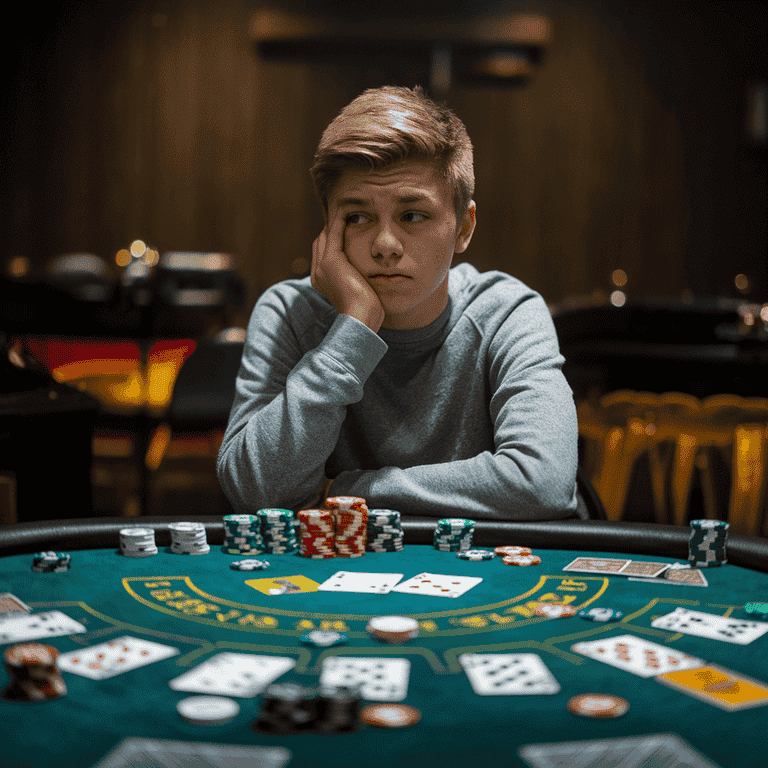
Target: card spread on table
{"points": [[686, 577], [233, 674], [36, 626], [164, 753], [656, 749], [437, 585], [635, 655], [508, 674], [11, 606], [350, 581], [616, 566], [379, 679], [725, 689], [114, 657], [284, 585], [711, 626]]}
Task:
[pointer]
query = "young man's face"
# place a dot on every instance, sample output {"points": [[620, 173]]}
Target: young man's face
{"points": [[400, 234]]}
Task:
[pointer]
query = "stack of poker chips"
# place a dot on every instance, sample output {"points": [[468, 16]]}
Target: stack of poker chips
{"points": [[50, 562], [137, 542], [350, 516], [291, 708], [278, 531], [706, 545], [242, 535], [316, 533], [33, 673], [384, 531], [454, 534], [188, 539]]}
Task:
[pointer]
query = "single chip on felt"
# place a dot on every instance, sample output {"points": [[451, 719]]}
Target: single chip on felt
{"points": [[601, 614], [598, 705], [554, 610]]}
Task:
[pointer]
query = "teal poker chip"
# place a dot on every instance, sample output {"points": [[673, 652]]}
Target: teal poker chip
{"points": [[475, 554], [249, 565], [757, 611], [601, 614], [324, 638]]}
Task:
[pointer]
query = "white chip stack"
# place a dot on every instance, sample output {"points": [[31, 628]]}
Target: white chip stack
{"points": [[188, 539], [137, 542]]}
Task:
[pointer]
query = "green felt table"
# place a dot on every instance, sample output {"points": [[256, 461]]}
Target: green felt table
{"points": [[201, 606]]}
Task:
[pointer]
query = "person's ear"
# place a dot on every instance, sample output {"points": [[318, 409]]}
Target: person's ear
{"points": [[466, 228]]}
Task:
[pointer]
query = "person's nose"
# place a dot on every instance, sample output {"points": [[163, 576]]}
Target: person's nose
{"points": [[386, 244]]}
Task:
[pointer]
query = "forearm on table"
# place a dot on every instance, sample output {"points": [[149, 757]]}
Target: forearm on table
{"points": [[488, 486]]}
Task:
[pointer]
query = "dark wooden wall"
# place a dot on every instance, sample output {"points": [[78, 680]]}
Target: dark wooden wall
{"points": [[160, 120]]}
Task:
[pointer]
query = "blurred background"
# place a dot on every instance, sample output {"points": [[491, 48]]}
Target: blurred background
{"points": [[155, 181]]}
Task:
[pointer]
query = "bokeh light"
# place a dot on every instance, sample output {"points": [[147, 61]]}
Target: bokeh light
{"points": [[123, 257], [619, 278], [742, 283], [138, 249], [618, 298]]}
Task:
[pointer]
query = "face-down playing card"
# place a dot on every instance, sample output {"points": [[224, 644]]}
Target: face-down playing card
{"points": [[379, 679], [350, 581], [114, 657], [233, 674], [508, 674], [711, 626], [635, 655], [437, 585]]}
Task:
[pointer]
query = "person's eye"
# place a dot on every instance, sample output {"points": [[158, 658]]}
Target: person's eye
{"points": [[354, 218], [411, 214]]}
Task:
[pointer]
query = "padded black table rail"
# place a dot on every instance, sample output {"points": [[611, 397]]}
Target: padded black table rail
{"points": [[593, 535]]}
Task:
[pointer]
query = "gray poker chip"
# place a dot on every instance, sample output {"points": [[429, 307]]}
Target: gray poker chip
{"points": [[249, 565], [324, 638]]}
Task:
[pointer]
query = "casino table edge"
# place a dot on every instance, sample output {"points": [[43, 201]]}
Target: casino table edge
{"points": [[573, 534]]}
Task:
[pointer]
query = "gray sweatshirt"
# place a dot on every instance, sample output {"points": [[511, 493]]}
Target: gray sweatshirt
{"points": [[470, 416]]}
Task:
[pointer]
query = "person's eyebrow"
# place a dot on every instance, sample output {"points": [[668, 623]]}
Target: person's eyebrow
{"points": [[415, 198]]}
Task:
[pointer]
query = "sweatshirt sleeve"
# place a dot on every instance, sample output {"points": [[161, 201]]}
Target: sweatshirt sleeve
{"points": [[289, 405], [531, 473]]}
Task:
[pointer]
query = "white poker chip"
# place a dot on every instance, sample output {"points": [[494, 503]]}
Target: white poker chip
{"points": [[208, 710], [249, 565], [475, 554]]}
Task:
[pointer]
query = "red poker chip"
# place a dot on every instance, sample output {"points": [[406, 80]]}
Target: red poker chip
{"points": [[521, 560]]}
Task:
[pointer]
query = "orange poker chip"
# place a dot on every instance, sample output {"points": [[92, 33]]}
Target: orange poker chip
{"points": [[390, 715], [521, 560], [512, 550], [554, 610], [598, 705]]}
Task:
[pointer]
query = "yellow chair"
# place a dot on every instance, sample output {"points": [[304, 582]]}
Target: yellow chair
{"points": [[737, 427]]}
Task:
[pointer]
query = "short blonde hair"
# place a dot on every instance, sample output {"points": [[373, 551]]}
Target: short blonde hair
{"points": [[387, 125]]}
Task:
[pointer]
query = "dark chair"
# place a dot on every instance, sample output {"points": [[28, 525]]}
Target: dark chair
{"points": [[589, 506], [183, 449]]}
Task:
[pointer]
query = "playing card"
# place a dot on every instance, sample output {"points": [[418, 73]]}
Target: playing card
{"points": [[711, 626], [233, 674], [437, 585], [657, 749], [163, 753], [508, 674], [645, 568], [36, 626], [725, 689], [597, 565], [379, 679], [349, 581], [11, 606], [114, 657], [635, 655], [686, 577], [284, 585]]}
